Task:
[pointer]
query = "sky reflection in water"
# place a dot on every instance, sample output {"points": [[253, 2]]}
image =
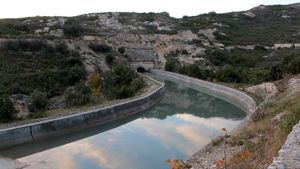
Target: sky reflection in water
{"points": [[182, 123]]}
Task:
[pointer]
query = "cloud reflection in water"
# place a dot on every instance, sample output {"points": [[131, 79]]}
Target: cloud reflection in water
{"points": [[143, 140]]}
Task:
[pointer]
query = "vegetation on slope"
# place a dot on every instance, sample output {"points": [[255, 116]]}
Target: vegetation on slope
{"points": [[264, 136], [27, 65], [43, 70], [239, 65]]}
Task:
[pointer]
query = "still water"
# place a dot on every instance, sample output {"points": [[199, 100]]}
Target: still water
{"points": [[182, 123]]}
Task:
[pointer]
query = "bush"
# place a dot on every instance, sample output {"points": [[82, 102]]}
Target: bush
{"points": [[27, 65], [171, 65], [73, 30], [125, 91], [289, 65], [121, 82], [101, 48], [39, 101], [109, 59], [95, 82], [78, 95], [121, 50], [293, 66], [75, 74], [229, 74], [137, 84], [7, 109]]}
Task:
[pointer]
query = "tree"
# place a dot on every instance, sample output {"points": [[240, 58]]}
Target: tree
{"points": [[7, 109], [75, 74], [39, 101], [95, 82]]}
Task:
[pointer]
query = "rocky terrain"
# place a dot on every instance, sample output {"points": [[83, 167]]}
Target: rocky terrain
{"points": [[263, 134], [259, 31]]}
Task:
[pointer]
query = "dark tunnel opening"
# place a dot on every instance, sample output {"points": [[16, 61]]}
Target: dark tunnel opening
{"points": [[141, 69]]}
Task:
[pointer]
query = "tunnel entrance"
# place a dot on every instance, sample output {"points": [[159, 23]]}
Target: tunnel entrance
{"points": [[141, 69]]}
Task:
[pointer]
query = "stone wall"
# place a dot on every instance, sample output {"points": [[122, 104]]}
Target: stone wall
{"points": [[55, 127], [289, 154], [233, 96]]}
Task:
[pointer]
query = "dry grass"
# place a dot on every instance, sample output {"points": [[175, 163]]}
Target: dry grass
{"points": [[264, 137]]}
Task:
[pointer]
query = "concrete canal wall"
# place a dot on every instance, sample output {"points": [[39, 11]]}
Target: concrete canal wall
{"points": [[233, 96], [41, 130]]}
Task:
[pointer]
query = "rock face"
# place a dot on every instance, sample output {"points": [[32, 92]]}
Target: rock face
{"points": [[187, 35], [110, 22], [294, 84], [289, 154], [208, 33], [21, 103], [264, 91], [141, 54]]}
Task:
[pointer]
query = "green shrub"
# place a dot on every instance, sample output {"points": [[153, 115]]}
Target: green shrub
{"points": [[95, 82], [109, 59], [289, 65], [39, 101], [121, 82], [229, 74], [75, 74], [78, 95], [291, 119], [101, 48], [124, 92], [73, 30], [22, 27], [293, 66], [121, 50], [137, 84], [26, 65], [289, 122], [7, 109], [172, 64]]}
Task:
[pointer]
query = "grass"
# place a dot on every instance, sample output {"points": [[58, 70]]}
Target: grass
{"points": [[264, 137]]}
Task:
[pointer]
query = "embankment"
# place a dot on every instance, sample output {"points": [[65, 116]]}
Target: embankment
{"points": [[55, 127]]}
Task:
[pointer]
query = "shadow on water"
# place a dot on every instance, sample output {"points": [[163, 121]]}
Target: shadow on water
{"points": [[42, 145]]}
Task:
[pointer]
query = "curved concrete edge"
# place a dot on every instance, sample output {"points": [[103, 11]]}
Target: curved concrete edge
{"points": [[50, 128], [233, 96], [289, 154]]}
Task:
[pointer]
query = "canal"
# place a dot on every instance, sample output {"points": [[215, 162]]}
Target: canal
{"points": [[183, 122]]}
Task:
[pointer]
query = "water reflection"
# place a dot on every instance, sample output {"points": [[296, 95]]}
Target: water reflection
{"points": [[183, 122]]}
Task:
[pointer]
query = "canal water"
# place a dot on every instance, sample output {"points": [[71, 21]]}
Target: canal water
{"points": [[183, 122]]}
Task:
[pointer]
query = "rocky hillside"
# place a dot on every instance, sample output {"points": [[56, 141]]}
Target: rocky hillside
{"points": [[253, 40], [52, 53]]}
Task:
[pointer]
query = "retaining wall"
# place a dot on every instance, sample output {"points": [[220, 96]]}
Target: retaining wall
{"points": [[233, 96], [55, 127]]}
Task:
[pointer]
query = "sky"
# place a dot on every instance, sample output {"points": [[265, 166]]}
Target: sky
{"points": [[176, 8]]}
